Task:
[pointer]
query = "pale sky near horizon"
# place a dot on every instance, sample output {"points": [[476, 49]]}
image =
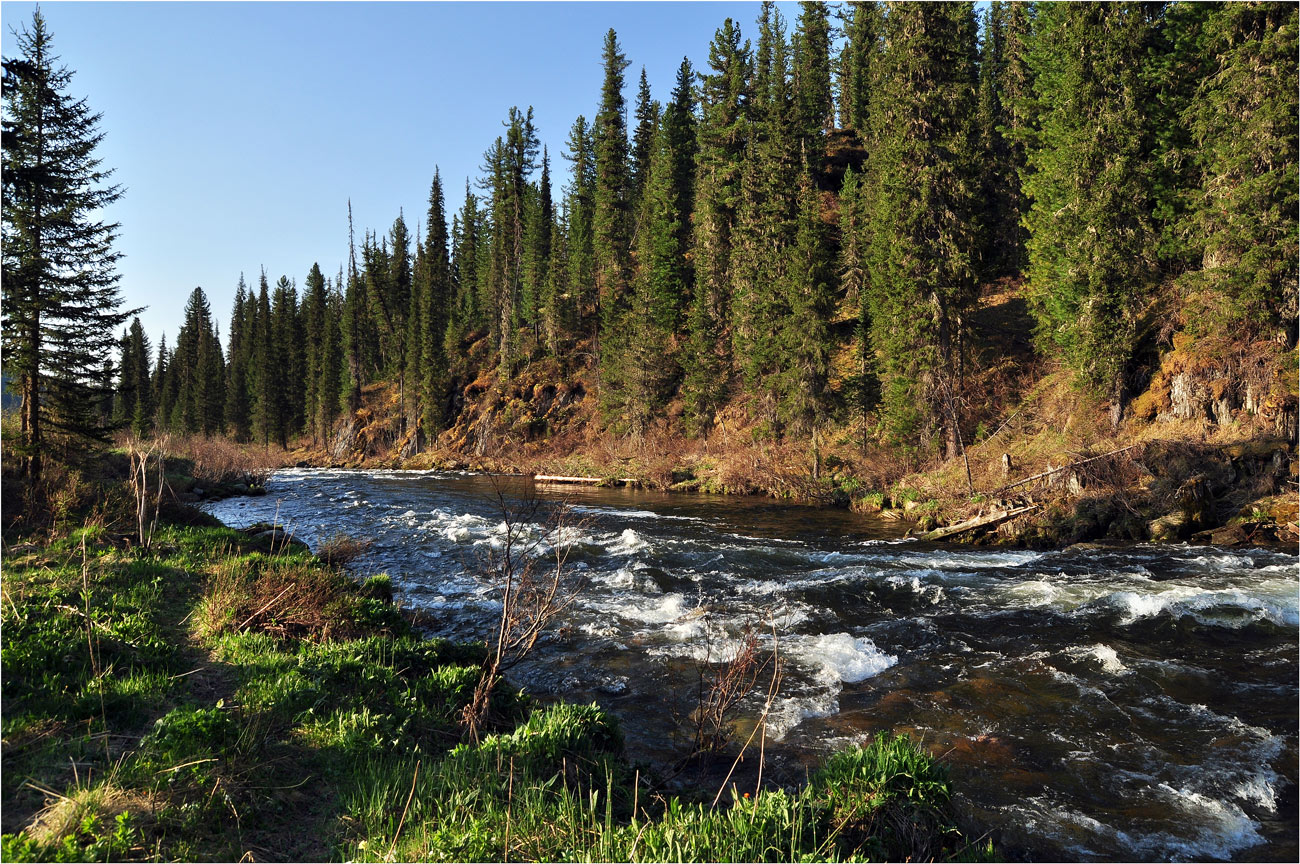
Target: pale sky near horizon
{"points": [[239, 131]]}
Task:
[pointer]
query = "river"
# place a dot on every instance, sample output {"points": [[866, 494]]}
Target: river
{"points": [[1134, 702]]}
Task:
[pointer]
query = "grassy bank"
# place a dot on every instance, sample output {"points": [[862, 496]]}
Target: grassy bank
{"points": [[218, 698]]}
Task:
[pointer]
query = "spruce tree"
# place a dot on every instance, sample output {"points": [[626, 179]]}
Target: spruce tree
{"points": [[60, 283], [267, 378], [134, 404], [314, 312], [611, 218], [724, 97], [578, 299], [922, 182], [1244, 121], [1092, 236], [811, 80], [436, 296], [861, 24], [647, 120], [239, 357]]}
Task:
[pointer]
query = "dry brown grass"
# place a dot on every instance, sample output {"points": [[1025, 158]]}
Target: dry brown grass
{"points": [[220, 460], [288, 599], [340, 549]]}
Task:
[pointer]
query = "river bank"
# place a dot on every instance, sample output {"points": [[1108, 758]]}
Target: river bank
{"points": [[1116, 701], [227, 696]]}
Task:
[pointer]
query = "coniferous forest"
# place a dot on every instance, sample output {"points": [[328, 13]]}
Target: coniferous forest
{"points": [[1014, 273], [857, 227]]}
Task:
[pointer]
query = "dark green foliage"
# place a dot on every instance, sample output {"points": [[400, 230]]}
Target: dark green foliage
{"points": [[1092, 235], [198, 369], [134, 405], [1004, 93], [60, 282], [611, 211], [724, 100], [1243, 123], [814, 112], [922, 184], [647, 120], [861, 25], [434, 291], [239, 373]]}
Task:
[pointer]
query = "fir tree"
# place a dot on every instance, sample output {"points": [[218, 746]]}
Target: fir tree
{"points": [[811, 80], [135, 404], [60, 283], [436, 296]]}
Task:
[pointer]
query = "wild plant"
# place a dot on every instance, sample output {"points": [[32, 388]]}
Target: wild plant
{"points": [[530, 568], [148, 481]]}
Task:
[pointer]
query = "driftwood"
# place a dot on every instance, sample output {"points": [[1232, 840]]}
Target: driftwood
{"points": [[988, 521], [1052, 471], [593, 481]]}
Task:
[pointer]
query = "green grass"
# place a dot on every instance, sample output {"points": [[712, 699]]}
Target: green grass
{"points": [[151, 712]]}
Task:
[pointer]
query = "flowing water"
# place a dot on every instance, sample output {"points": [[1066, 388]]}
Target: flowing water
{"points": [[1106, 703]]}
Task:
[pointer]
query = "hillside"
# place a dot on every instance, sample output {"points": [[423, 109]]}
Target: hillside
{"points": [[1207, 449]]}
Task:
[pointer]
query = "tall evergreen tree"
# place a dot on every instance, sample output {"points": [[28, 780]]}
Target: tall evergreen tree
{"points": [[611, 218], [1243, 122], [436, 296], [861, 24], [1092, 237], [923, 186], [60, 282], [135, 405], [579, 294], [647, 120], [811, 80], [238, 371], [314, 311], [724, 98]]}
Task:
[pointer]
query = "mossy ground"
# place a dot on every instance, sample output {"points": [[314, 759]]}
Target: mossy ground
{"points": [[215, 699]]}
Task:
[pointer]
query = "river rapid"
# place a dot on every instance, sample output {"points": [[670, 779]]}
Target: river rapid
{"points": [[1131, 702]]}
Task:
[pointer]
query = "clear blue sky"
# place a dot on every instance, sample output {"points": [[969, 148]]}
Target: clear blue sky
{"points": [[241, 130]]}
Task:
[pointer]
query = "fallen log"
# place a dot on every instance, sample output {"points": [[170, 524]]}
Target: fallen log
{"points": [[1052, 471], [591, 481], [990, 520]]}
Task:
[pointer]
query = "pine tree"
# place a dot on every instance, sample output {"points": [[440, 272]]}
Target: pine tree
{"points": [[1092, 238], [863, 388], [266, 380], [331, 373], [1243, 122], [465, 315], [1004, 88], [579, 300], [285, 349], [922, 182], [163, 384], [60, 284], [356, 333]]}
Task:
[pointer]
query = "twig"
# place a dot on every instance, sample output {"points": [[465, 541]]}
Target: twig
{"points": [[402, 821], [267, 606]]}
